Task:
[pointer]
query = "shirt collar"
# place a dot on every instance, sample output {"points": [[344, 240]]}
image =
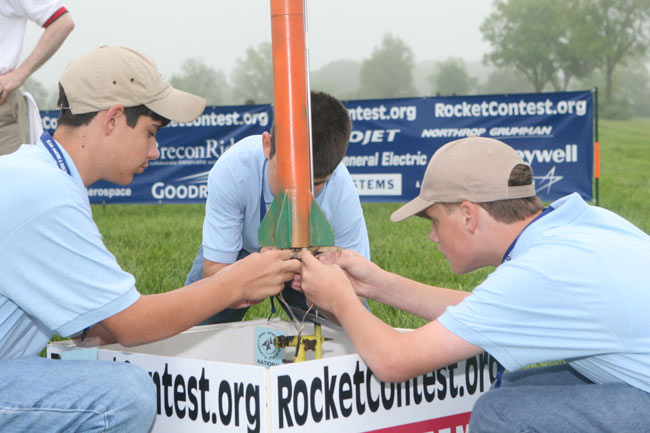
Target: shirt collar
{"points": [[506, 256]]}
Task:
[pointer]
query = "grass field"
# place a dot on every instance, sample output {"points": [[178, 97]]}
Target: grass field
{"points": [[157, 243]]}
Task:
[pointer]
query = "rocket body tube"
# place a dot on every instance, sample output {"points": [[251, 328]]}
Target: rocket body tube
{"points": [[291, 113]]}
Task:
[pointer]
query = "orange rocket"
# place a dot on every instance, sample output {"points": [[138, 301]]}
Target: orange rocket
{"points": [[294, 220]]}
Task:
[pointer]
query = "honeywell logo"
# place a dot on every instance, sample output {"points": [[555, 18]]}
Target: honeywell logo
{"points": [[569, 154]]}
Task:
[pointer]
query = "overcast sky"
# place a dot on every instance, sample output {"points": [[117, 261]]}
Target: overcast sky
{"points": [[219, 32]]}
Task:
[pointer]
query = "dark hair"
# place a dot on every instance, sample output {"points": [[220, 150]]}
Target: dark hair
{"points": [[511, 210], [330, 131], [76, 120]]}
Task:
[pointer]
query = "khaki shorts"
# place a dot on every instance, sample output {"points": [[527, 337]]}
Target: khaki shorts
{"points": [[14, 125]]}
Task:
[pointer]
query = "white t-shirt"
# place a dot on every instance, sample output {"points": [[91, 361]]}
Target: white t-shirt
{"points": [[14, 15]]}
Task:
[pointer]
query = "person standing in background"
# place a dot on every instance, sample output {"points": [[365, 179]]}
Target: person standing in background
{"points": [[14, 14]]}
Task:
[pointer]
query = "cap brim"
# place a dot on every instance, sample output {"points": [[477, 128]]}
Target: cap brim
{"points": [[178, 106], [414, 207]]}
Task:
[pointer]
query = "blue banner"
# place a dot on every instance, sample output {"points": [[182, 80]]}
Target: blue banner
{"points": [[391, 143]]}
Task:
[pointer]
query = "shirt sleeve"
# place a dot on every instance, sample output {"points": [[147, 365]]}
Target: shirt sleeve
{"points": [[62, 274], [224, 216], [40, 11], [522, 317], [346, 214]]}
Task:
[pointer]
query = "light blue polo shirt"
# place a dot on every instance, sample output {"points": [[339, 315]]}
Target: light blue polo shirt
{"points": [[56, 275], [577, 288], [232, 213]]}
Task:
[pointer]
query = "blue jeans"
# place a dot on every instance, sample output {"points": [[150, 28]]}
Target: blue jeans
{"points": [[46, 395], [295, 299], [559, 399]]}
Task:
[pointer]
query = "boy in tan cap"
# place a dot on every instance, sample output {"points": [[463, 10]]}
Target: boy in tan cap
{"points": [[571, 283], [57, 275]]}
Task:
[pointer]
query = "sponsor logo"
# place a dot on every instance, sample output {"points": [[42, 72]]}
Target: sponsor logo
{"points": [[557, 156], [519, 108], [378, 184], [109, 192], [266, 346], [392, 159], [234, 118], [452, 132], [502, 132], [180, 395], [330, 396], [373, 136], [546, 181], [387, 159], [362, 160], [49, 123], [193, 187], [223, 398], [397, 112], [163, 191], [266, 354], [211, 149], [522, 131]]}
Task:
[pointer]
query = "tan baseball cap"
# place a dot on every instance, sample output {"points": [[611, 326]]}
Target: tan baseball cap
{"points": [[475, 169], [113, 75]]}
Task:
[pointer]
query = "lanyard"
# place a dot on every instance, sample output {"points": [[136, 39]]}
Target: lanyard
{"points": [[55, 151], [506, 257], [262, 202]]}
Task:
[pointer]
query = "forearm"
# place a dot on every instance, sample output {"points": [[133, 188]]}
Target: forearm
{"points": [[48, 44], [390, 354], [210, 268], [102, 334], [425, 301], [154, 317], [396, 356], [367, 333], [386, 351], [158, 316]]}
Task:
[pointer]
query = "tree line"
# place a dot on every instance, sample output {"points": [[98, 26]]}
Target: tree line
{"points": [[536, 45]]}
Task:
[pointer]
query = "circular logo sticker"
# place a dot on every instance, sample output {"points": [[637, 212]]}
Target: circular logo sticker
{"points": [[265, 344]]}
